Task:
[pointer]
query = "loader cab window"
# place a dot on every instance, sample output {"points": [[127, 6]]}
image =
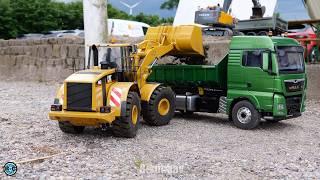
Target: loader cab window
{"points": [[252, 59]]}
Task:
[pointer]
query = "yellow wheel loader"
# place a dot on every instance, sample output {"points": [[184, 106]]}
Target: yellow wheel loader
{"points": [[116, 93]]}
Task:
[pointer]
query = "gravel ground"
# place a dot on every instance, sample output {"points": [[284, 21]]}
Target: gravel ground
{"points": [[201, 146]]}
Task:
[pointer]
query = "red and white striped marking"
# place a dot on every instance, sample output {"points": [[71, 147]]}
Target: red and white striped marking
{"points": [[115, 98]]}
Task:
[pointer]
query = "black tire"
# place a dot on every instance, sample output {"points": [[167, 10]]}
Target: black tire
{"points": [[67, 127], [245, 115], [151, 113], [124, 125]]}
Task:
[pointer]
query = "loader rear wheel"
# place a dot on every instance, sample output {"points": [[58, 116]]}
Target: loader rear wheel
{"points": [[67, 127], [127, 125], [160, 109]]}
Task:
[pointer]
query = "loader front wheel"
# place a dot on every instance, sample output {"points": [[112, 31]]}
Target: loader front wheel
{"points": [[67, 127], [127, 125], [160, 109]]}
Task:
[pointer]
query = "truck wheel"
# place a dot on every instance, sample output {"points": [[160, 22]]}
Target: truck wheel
{"points": [[245, 115], [127, 125], [67, 127], [160, 108]]}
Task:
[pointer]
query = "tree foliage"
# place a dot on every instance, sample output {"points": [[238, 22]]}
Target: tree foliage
{"points": [[170, 4], [19, 17]]}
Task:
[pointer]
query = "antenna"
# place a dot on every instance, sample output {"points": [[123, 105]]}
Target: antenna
{"points": [[131, 6]]}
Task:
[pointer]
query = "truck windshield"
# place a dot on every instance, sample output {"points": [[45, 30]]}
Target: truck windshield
{"points": [[290, 59]]}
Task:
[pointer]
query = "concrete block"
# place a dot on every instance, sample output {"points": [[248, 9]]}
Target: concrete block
{"points": [[30, 42], [52, 41], [2, 50], [61, 40], [44, 41], [36, 42], [34, 51], [48, 51], [17, 50], [71, 63], [3, 43], [63, 51], [81, 52], [27, 50], [56, 51], [78, 40], [72, 51], [42, 51]]}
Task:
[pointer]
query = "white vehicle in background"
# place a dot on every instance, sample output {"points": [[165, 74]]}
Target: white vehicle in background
{"points": [[119, 27], [64, 33]]}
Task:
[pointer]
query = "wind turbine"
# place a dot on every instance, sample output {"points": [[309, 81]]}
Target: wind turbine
{"points": [[130, 6]]}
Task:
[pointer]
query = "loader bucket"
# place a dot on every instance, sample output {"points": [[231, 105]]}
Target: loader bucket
{"points": [[187, 39]]}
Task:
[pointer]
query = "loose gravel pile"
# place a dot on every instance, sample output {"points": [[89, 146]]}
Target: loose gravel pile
{"points": [[200, 146]]}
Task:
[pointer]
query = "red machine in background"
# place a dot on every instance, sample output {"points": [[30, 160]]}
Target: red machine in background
{"points": [[305, 33], [307, 37]]}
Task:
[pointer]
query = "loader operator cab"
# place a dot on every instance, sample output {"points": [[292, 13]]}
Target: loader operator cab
{"points": [[113, 56]]}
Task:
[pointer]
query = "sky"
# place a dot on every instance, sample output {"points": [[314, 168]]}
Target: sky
{"points": [[288, 9]]}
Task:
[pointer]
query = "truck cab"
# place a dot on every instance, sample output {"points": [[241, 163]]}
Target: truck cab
{"points": [[262, 77], [269, 73]]}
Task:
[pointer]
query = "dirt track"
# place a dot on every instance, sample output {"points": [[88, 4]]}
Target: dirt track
{"points": [[201, 146]]}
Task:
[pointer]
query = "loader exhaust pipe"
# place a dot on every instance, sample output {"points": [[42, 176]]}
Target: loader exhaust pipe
{"points": [[95, 55]]}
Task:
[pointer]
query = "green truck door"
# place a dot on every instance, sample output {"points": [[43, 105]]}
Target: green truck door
{"points": [[260, 84]]}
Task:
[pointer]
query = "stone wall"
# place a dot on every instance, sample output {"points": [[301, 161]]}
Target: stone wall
{"points": [[40, 60]]}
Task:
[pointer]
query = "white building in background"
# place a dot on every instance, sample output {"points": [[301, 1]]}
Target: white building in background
{"points": [[241, 9]]}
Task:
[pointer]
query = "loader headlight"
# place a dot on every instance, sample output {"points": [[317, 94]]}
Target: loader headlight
{"points": [[105, 109], [56, 107]]}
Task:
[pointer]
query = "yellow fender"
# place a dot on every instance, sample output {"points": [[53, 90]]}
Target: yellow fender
{"points": [[117, 95], [60, 94], [147, 90]]}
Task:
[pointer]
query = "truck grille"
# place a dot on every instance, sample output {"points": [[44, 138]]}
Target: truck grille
{"points": [[293, 105], [294, 85], [79, 97]]}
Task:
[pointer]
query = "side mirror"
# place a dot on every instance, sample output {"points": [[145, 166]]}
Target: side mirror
{"points": [[265, 62]]}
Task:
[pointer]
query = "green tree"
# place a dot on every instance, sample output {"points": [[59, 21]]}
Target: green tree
{"points": [[33, 15], [7, 23], [170, 4], [19, 17]]}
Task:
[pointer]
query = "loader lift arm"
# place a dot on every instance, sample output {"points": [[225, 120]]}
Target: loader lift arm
{"points": [[166, 40]]}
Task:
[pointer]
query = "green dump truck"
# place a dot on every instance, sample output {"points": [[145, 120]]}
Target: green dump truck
{"points": [[261, 77]]}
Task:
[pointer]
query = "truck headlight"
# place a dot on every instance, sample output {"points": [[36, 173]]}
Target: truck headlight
{"points": [[281, 107]]}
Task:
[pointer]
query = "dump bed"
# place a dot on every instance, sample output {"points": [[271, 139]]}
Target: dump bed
{"points": [[212, 76]]}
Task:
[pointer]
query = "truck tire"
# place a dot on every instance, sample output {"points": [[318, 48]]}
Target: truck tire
{"points": [[161, 107], [126, 126], [245, 115], [67, 127]]}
